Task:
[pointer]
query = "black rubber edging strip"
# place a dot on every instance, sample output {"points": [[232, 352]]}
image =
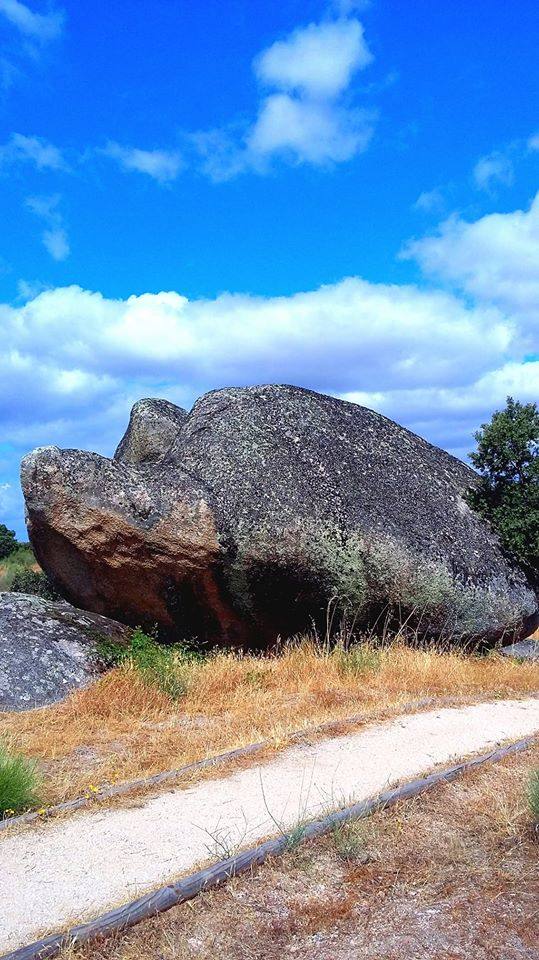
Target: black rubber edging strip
{"points": [[170, 776], [151, 904]]}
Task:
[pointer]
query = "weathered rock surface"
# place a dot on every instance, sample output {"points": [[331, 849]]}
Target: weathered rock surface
{"points": [[47, 649], [270, 504], [524, 650], [153, 425]]}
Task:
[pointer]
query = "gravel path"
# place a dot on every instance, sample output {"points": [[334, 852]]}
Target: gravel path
{"points": [[67, 871]]}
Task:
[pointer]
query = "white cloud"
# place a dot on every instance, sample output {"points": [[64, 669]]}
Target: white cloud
{"points": [[54, 237], [495, 258], [454, 413], [307, 119], [309, 131], [8, 500], [36, 150], [318, 60], [342, 335], [37, 26], [430, 201], [533, 142], [496, 168], [162, 165], [56, 243], [74, 361]]}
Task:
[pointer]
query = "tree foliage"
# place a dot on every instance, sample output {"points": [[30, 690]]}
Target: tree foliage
{"points": [[507, 457], [8, 541]]}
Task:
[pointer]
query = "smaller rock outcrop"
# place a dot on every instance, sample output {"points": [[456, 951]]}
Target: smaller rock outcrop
{"points": [[524, 650], [47, 649], [153, 426]]}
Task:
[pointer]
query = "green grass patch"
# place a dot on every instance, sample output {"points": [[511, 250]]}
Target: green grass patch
{"points": [[165, 666], [533, 795], [18, 563], [357, 659], [19, 783]]}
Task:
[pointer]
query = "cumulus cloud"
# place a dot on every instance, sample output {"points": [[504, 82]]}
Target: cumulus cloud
{"points": [[36, 150], [430, 201], [73, 355], [42, 27], [310, 131], [453, 413], [305, 111], [496, 168], [162, 165], [495, 258], [54, 237], [318, 60], [74, 361], [306, 118]]}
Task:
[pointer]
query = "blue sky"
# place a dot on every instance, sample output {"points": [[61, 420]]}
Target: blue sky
{"points": [[338, 195]]}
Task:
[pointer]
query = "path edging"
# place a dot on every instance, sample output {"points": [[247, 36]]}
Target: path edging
{"points": [[172, 895], [170, 776]]}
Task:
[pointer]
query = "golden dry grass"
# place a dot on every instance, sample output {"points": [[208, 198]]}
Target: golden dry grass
{"points": [[451, 875], [121, 728]]}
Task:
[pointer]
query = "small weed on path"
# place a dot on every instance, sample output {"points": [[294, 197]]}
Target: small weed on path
{"points": [[451, 874]]}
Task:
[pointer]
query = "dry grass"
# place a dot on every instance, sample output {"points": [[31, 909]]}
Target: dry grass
{"points": [[121, 727], [452, 874]]}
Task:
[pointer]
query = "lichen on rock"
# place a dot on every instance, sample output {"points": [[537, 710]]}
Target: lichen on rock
{"points": [[48, 649]]}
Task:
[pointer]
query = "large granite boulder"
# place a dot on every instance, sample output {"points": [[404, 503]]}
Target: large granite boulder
{"points": [[47, 649], [264, 508]]}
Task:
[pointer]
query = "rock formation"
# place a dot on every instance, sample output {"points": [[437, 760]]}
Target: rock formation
{"points": [[251, 515], [47, 649]]}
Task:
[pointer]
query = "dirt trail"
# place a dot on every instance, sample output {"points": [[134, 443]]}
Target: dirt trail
{"points": [[67, 871]]}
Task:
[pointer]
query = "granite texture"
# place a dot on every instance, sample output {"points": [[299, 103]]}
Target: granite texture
{"points": [[263, 508], [47, 649]]}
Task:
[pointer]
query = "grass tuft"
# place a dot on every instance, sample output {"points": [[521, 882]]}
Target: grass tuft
{"points": [[350, 841], [533, 796], [165, 667], [18, 783]]}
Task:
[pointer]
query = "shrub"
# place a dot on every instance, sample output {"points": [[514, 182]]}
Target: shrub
{"points": [[533, 796], [507, 494], [164, 666], [18, 783], [18, 561], [36, 583], [8, 542]]}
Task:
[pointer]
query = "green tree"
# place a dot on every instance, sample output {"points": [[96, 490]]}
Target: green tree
{"points": [[507, 457], [8, 541]]}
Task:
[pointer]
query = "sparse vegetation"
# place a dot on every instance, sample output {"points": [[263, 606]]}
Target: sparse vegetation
{"points": [[351, 841], [450, 874], [507, 457], [533, 796], [18, 782], [130, 723], [8, 541], [164, 666], [18, 562]]}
